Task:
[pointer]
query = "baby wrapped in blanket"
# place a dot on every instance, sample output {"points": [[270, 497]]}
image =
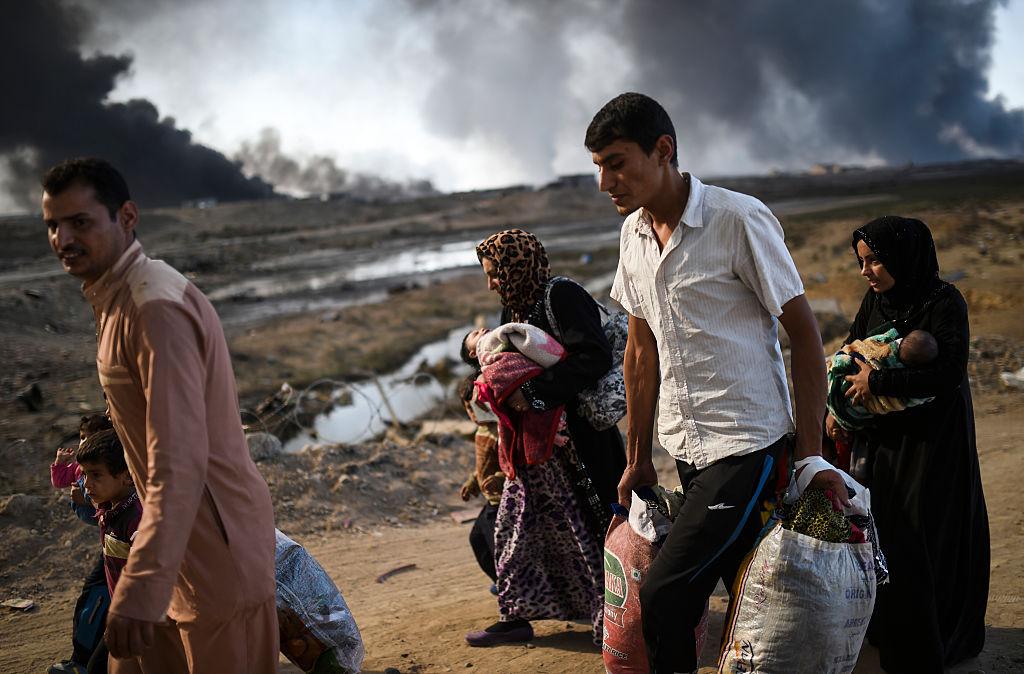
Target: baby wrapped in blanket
{"points": [[510, 355], [881, 352]]}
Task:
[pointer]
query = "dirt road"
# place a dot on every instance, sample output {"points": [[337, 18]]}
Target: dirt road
{"points": [[346, 502], [415, 621]]}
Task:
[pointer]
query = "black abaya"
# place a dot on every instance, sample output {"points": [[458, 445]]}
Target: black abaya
{"points": [[926, 490]]}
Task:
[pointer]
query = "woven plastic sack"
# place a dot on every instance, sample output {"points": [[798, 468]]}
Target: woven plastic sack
{"points": [[318, 632], [801, 604], [630, 547]]}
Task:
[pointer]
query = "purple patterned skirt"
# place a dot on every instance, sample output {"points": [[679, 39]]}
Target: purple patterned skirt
{"points": [[549, 564]]}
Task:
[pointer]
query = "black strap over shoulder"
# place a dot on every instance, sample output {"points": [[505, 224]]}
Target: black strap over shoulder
{"points": [[550, 312]]}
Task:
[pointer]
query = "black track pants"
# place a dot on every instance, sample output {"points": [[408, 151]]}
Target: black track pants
{"points": [[715, 529]]}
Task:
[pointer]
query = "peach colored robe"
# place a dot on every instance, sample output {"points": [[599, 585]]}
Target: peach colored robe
{"points": [[204, 551]]}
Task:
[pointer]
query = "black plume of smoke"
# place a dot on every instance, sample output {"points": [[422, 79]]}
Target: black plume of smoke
{"points": [[772, 83], [319, 175], [901, 79], [56, 109]]}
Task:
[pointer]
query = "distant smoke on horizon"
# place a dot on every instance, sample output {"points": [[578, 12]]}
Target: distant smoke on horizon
{"points": [[750, 86], [57, 109], [318, 175]]}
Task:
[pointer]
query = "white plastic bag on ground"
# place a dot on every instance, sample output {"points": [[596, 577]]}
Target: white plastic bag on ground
{"points": [[802, 604], [318, 632]]}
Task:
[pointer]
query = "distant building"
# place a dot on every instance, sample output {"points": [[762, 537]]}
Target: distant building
{"points": [[205, 202], [494, 193], [579, 181], [824, 169], [833, 169]]}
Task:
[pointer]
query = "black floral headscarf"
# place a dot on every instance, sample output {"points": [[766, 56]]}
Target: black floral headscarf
{"points": [[906, 248], [522, 267]]}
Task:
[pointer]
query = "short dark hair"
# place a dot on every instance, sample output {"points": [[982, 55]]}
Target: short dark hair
{"points": [[632, 117], [466, 387], [93, 423], [918, 348], [104, 448], [464, 354], [105, 180]]}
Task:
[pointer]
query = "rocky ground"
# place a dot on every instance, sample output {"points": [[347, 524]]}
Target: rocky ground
{"points": [[365, 508]]}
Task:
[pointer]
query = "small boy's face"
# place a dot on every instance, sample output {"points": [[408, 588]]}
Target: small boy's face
{"points": [[473, 338], [102, 486]]}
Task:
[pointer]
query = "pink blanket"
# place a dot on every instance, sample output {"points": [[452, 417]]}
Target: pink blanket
{"points": [[523, 437], [529, 340]]}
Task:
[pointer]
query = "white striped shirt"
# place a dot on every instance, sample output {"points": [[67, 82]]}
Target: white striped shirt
{"points": [[712, 298]]}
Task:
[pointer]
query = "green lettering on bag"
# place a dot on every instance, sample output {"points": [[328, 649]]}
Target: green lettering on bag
{"points": [[616, 589]]}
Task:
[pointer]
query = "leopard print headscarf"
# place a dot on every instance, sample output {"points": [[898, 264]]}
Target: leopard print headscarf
{"points": [[522, 266]]}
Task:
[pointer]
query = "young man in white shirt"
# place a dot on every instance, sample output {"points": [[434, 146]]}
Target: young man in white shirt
{"points": [[706, 278]]}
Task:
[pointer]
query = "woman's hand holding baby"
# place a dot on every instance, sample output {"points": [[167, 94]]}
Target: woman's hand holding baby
{"points": [[859, 390], [493, 483], [517, 401]]}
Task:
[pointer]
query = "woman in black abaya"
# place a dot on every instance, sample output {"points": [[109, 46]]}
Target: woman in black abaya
{"points": [[923, 463]]}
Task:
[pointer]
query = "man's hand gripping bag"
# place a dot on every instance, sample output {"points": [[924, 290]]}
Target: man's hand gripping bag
{"points": [[802, 604]]}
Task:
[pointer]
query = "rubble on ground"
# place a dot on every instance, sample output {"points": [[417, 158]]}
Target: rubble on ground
{"points": [[990, 357]]}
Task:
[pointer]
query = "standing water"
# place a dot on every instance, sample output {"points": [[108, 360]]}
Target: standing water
{"points": [[402, 396]]}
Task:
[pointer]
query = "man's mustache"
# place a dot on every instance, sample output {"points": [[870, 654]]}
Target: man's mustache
{"points": [[72, 250]]}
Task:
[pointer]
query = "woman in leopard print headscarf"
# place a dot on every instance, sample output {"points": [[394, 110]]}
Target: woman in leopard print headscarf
{"points": [[550, 524], [518, 268]]}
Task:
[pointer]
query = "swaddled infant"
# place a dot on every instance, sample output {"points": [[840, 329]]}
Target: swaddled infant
{"points": [[881, 352], [509, 356]]}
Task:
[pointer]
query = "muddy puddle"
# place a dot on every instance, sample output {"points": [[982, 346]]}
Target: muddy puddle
{"points": [[335, 278], [365, 409]]}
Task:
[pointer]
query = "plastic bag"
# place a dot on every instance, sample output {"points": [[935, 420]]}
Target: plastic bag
{"points": [[802, 604], [318, 632], [630, 547], [859, 511]]}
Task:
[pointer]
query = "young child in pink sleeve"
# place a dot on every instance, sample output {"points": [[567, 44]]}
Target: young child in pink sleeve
{"points": [[65, 471]]}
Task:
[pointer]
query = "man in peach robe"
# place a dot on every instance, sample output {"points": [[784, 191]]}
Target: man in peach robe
{"points": [[197, 593]]}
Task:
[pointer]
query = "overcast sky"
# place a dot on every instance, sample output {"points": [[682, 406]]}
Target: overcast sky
{"points": [[487, 93]]}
